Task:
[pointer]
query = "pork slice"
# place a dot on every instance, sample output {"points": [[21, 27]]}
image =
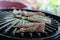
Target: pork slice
{"points": [[40, 14], [38, 27], [25, 25], [37, 18], [25, 13]]}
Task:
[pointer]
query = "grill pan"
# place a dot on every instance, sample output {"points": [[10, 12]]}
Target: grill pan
{"points": [[7, 22]]}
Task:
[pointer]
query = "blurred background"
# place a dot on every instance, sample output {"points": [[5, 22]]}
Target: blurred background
{"points": [[52, 6]]}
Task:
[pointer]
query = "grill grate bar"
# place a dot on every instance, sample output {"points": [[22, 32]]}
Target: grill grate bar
{"points": [[31, 34], [57, 36], [54, 26], [8, 18], [39, 34], [1, 21], [15, 22], [56, 21], [5, 25], [50, 27], [22, 34], [14, 31], [7, 21]]}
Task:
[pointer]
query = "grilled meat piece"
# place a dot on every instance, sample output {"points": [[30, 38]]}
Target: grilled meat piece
{"points": [[25, 13], [25, 25], [40, 14], [37, 18], [38, 21], [37, 27]]}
